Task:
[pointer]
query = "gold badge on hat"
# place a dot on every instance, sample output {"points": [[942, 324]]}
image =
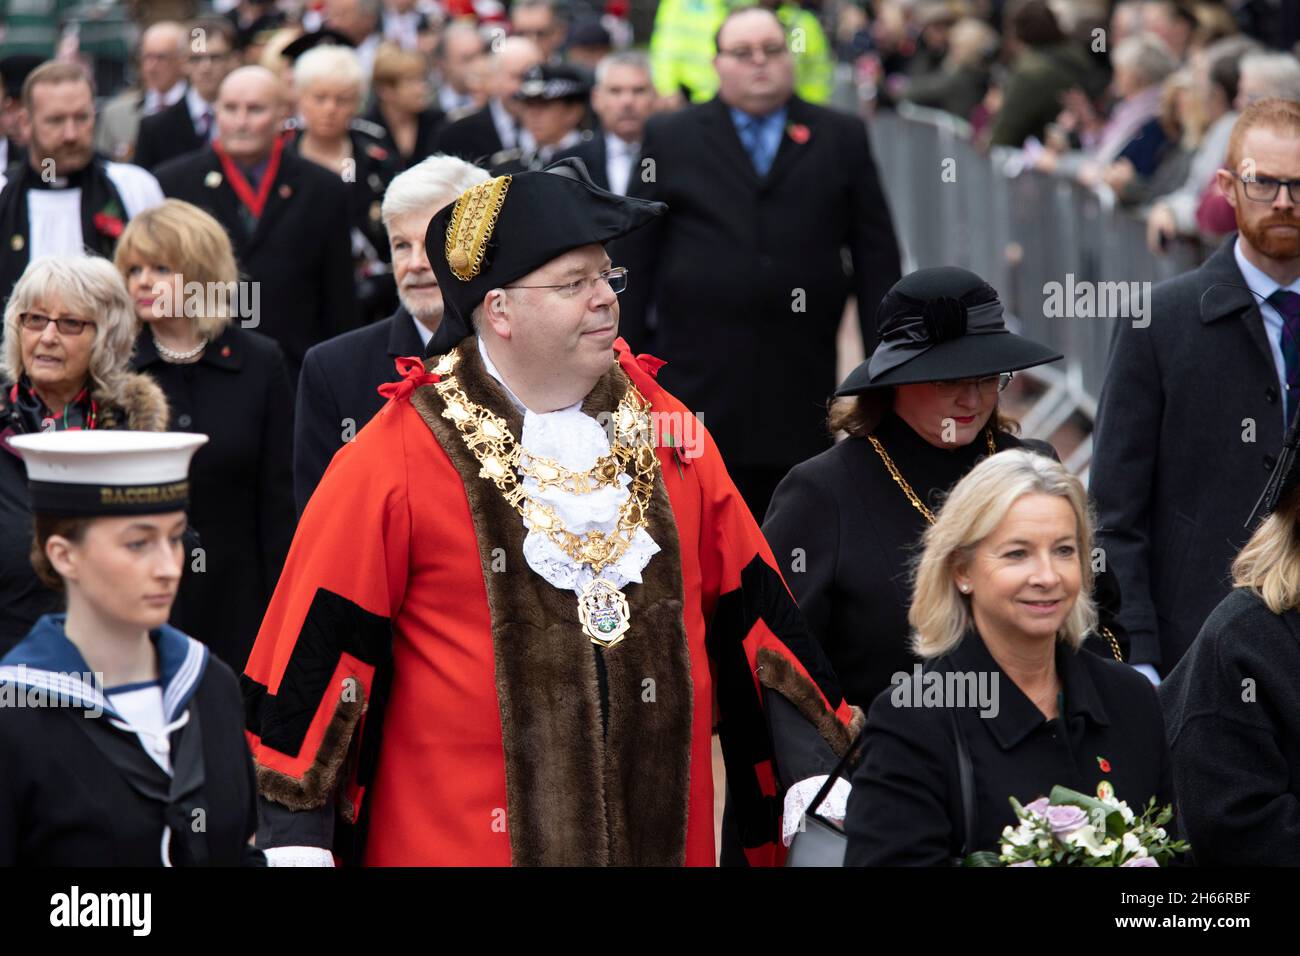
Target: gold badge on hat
{"points": [[17, 243], [472, 222], [212, 180]]}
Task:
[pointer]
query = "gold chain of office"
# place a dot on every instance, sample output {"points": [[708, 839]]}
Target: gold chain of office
{"points": [[899, 480], [488, 438]]}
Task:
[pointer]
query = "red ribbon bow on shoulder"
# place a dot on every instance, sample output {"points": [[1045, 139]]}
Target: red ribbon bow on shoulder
{"points": [[650, 364], [411, 368]]}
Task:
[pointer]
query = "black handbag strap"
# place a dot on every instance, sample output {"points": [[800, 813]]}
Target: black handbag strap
{"points": [[849, 757], [966, 781]]}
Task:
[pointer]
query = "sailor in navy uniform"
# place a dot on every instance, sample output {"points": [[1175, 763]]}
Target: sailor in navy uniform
{"points": [[121, 738]]}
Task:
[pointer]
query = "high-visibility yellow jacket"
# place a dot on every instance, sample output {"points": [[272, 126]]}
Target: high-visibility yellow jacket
{"points": [[682, 50]]}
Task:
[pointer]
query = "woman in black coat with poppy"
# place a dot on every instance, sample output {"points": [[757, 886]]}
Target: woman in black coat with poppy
{"points": [[1000, 609], [230, 383], [922, 411]]}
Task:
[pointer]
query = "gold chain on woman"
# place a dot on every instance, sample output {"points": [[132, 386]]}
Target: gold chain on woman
{"points": [[899, 480], [488, 438], [919, 505]]}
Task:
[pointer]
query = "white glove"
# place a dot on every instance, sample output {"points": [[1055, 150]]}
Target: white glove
{"points": [[298, 856]]}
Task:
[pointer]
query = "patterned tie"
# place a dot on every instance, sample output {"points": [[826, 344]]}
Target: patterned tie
{"points": [[1288, 306], [206, 124], [751, 134]]}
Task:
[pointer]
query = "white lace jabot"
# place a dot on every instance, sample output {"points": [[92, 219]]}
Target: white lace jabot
{"points": [[576, 441]]}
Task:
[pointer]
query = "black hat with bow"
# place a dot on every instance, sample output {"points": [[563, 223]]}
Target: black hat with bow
{"points": [[940, 325], [503, 229], [1285, 477]]}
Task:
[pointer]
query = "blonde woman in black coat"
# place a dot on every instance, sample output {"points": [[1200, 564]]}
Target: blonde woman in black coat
{"points": [[230, 383], [1232, 705], [1001, 601]]}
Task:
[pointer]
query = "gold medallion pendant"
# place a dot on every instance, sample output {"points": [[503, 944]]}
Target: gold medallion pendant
{"points": [[603, 611]]}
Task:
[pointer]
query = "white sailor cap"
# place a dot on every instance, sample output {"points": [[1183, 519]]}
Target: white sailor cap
{"points": [[98, 473]]}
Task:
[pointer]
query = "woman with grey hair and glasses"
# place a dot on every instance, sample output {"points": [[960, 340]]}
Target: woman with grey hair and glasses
{"points": [[69, 328]]}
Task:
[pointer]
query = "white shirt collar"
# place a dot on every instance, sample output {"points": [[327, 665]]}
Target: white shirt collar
{"points": [[422, 331], [1258, 281], [155, 101], [616, 145], [505, 124], [197, 105]]}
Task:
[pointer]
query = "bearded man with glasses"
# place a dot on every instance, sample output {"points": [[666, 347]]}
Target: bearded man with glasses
{"points": [[1197, 398]]}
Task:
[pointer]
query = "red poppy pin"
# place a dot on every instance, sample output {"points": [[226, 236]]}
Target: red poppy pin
{"points": [[285, 191], [377, 152], [108, 221], [1104, 764], [798, 132]]}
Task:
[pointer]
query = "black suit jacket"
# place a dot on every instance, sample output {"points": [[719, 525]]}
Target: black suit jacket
{"points": [[748, 276], [906, 807], [592, 153], [339, 388], [299, 252], [473, 138], [165, 135], [1188, 424], [239, 395], [427, 127]]}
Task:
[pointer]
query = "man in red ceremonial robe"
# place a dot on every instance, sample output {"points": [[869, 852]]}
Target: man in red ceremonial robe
{"points": [[524, 597]]}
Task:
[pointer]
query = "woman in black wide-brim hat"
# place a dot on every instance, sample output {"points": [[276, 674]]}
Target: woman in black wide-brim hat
{"points": [[923, 412]]}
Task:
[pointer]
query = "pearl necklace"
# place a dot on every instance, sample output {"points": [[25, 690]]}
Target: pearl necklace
{"points": [[172, 356]]}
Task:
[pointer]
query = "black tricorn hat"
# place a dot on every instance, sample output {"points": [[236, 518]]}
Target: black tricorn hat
{"points": [[941, 324], [506, 227]]}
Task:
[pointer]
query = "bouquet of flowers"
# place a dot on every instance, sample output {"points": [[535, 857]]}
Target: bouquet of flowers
{"points": [[1072, 829]]}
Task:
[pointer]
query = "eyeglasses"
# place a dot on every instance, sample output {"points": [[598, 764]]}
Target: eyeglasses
{"points": [[745, 54], [616, 278], [1265, 188], [202, 58], [35, 322], [988, 385]]}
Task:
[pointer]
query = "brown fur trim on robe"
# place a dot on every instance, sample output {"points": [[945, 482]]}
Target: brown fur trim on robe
{"points": [[575, 796], [777, 673], [319, 780]]}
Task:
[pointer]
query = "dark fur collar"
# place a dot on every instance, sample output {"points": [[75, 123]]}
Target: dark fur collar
{"points": [[571, 791]]}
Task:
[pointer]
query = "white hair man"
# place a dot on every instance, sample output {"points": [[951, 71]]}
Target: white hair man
{"points": [[337, 388]]}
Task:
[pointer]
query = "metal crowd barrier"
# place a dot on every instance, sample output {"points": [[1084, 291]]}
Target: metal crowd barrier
{"points": [[1020, 232]]}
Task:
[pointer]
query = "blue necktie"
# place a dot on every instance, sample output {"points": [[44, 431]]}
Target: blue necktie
{"points": [[1288, 306], [751, 134]]}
